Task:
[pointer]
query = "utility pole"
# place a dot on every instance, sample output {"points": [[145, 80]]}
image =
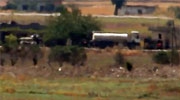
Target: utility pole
{"points": [[173, 40]]}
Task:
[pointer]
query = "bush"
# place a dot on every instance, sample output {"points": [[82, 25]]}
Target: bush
{"points": [[119, 58], [78, 55], [36, 54], [30, 52], [61, 8], [72, 54], [161, 58], [11, 41], [167, 57]]}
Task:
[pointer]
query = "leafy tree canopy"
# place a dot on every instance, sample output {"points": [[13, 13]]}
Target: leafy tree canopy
{"points": [[70, 25], [11, 41]]}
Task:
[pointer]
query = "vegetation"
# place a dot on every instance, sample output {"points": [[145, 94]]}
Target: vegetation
{"points": [[71, 54], [34, 53], [88, 89], [176, 11], [161, 58], [80, 28], [16, 51], [60, 8], [15, 85], [118, 4], [174, 57], [11, 47], [119, 59], [11, 41]]}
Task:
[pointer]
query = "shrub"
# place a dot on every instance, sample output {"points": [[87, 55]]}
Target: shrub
{"points": [[72, 54], [161, 58], [78, 55], [13, 59], [11, 41], [167, 57], [119, 58], [30, 52], [36, 53]]}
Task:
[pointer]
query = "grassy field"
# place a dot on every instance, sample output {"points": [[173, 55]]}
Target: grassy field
{"points": [[95, 80], [129, 24], [89, 89], [24, 19]]}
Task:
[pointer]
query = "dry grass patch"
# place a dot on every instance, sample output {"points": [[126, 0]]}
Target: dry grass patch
{"points": [[101, 7], [9, 90], [73, 94], [24, 19]]}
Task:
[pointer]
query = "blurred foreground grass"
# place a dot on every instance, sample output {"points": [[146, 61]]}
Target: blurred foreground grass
{"points": [[89, 89]]}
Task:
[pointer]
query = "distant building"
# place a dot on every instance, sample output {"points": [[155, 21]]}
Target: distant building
{"points": [[3, 3], [36, 5], [136, 10]]}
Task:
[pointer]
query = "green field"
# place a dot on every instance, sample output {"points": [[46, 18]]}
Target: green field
{"points": [[89, 89], [129, 24]]}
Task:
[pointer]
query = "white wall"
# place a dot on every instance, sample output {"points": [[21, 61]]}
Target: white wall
{"points": [[130, 10]]}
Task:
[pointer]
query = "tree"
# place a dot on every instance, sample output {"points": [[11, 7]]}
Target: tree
{"points": [[74, 55], [118, 4], [70, 25], [119, 58], [11, 47], [30, 52], [60, 8], [11, 41], [35, 53]]}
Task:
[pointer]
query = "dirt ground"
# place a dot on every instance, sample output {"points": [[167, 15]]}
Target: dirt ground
{"points": [[100, 63]]}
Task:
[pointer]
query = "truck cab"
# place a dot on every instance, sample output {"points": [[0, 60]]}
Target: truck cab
{"points": [[133, 39], [33, 39]]}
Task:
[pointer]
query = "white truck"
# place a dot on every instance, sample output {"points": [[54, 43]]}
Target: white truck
{"points": [[104, 39], [33, 39]]}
